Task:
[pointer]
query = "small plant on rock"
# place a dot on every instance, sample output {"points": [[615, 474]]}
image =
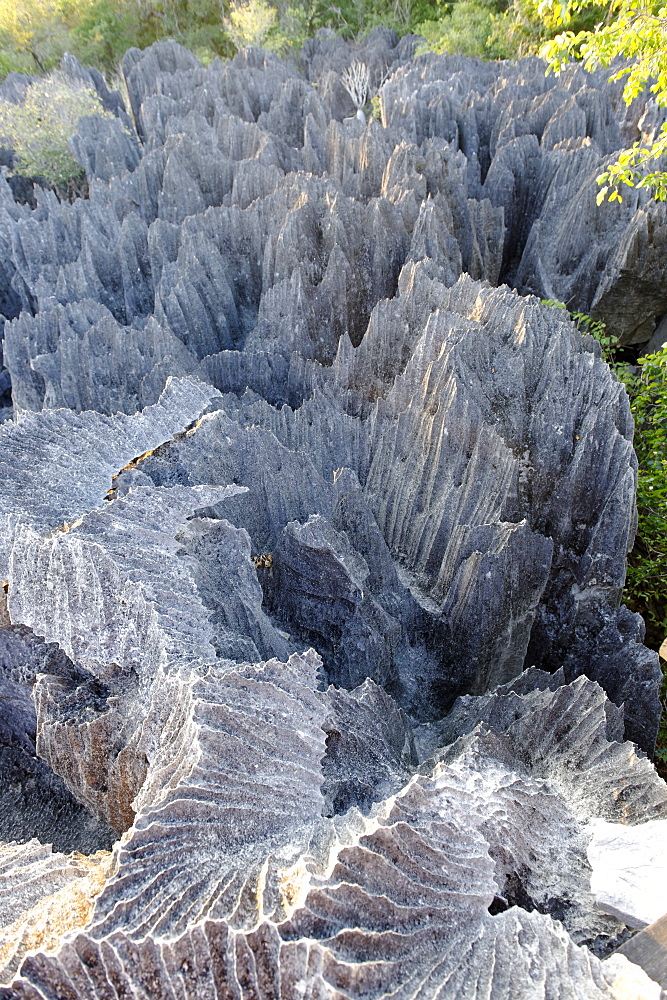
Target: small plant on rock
{"points": [[38, 128], [357, 81]]}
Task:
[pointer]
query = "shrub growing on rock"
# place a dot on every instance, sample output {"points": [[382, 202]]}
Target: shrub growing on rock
{"points": [[37, 129], [647, 566]]}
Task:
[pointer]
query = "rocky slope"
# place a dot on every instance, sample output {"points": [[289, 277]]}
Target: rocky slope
{"points": [[314, 536]]}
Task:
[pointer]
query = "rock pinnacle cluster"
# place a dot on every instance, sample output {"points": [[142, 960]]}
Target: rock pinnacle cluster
{"points": [[314, 670]]}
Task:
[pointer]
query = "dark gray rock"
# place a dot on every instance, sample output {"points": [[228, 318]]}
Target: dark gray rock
{"points": [[370, 748], [34, 801], [119, 369], [104, 148], [450, 374]]}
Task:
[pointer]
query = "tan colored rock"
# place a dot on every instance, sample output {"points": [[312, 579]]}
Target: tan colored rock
{"points": [[69, 886], [628, 981]]}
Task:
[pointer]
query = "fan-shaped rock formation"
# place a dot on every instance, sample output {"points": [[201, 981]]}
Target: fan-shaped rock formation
{"points": [[314, 669]]}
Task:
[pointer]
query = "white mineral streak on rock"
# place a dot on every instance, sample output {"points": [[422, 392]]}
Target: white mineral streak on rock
{"points": [[629, 876]]}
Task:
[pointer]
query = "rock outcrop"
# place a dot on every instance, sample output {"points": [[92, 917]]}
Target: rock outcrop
{"points": [[313, 537]]}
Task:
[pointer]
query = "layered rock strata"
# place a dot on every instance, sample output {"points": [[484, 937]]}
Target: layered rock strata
{"points": [[313, 538]]}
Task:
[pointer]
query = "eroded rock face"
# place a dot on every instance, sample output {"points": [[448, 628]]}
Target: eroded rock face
{"points": [[313, 539]]}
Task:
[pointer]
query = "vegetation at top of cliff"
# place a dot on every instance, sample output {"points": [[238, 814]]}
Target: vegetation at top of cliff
{"points": [[34, 34], [497, 29]]}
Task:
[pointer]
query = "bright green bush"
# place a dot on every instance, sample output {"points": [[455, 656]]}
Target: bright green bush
{"points": [[290, 32], [38, 129], [468, 28], [102, 32], [196, 24], [499, 29], [355, 18], [32, 34]]}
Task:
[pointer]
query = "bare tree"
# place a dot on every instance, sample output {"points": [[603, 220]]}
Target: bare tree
{"points": [[357, 81]]}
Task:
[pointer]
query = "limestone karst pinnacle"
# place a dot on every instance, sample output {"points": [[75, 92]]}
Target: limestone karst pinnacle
{"points": [[313, 526]]}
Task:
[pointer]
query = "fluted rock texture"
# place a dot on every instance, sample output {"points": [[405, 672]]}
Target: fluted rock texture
{"points": [[313, 538]]}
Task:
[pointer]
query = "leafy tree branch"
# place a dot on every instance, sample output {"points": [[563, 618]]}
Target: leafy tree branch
{"points": [[634, 31]]}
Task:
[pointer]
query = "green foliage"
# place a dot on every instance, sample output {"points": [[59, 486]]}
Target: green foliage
{"points": [[646, 584], [197, 24], [102, 34], [607, 341], [597, 329], [646, 385], [282, 29], [521, 31], [38, 128], [647, 568], [630, 169], [355, 18], [250, 21], [290, 32], [34, 34], [496, 29], [517, 31], [469, 27], [634, 31]]}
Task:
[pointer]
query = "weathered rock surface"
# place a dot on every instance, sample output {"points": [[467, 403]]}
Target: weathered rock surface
{"points": [[313, 538], [43, 896], [629, 870]]}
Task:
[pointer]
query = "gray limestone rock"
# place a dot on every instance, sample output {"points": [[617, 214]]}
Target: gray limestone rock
{"points": [[441, 365], [313, 535], [34, 801], [440, 884], [58, 465], [119, 369]]}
